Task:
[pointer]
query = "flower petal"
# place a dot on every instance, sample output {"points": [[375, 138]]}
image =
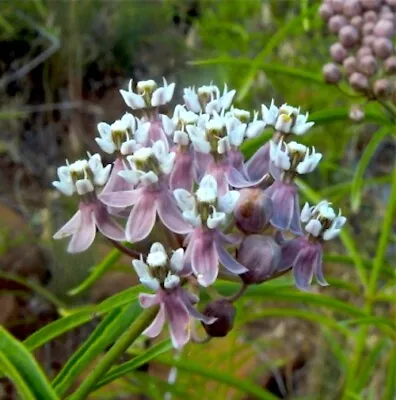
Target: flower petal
{"points": [[258, 165], [106, 225], [155, 328], [85, 234], [148, 300], [204, 260], [318, 271], [185, 297], [290, 250], [70, 227], [126, 198], [303, 268], [141, 220], [170, 215], [228, 261]]}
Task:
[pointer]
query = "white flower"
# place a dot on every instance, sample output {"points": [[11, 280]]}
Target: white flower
{"points": [[280, 157], [171, 281], [185, 200], [165, 158], [228, 202], [144, 275], [142, 154], [255, 127], [177, 260], [309, 163], [314, 227], [215, 219], [148, 94], [235, 131], [100, 173], [306, 213], [207, 191], [270, 114], [198, 139], [65, 184], [242, 115], [191, 100], [301, 126], [335, 228], [157, 256]]}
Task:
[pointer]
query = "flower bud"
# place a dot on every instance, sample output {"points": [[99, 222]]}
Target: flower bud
{"points": [[325, 11], [384, 28], [388, 16], [358, 81], [224, 311], [356, 113], [338, 52], [357, 22], [368, 40], [350, 65], [348, 36], [391, 3], [364, 51], [261, 256], [352, 8], [337, 5], [331, 73], [368, 28], [382, 47], [370, 16], [368, 65], [371, 4], [382, 88], [390, 65], [253, 210], [336, 22]]}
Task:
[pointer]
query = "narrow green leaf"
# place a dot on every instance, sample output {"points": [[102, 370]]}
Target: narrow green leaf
{"points": [[390, 384], [365, 158], [97, 272], [336, 348], [244, 385], [105, 334], [9, 370], [19, 356], [62, 325], [136, 362]]}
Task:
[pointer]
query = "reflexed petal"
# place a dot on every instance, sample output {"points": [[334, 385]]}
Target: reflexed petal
{"points": [[170, 215], [179, 320], [70, 227], [141, 220], [106, 225], [182, 175], [155, 328], [290, 250], [228, 261], [141, 134], [85, 234], [204, 260], [304, 266], [318, 271], [185, 297], [258, 165], [148, 300], [126, 198]]}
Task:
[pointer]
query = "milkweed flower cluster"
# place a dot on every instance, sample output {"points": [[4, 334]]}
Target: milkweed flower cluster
{"points": [[182, 178], [364, 53]]}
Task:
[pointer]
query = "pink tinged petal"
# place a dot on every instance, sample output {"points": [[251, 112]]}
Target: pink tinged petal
{"points": [[70, 227], [318, 270], [155, 328], [258, 165], [295, 225], [193, 311], [126, 198], [304, 266], [84, 236], [115, 183], [228, 261], [290, 250], [156, 132], [182, 175], [141, 219], [236, 179], [106, 225], [170, 215], [148, 300], [204, 260], [179, 320], [232, 238]]}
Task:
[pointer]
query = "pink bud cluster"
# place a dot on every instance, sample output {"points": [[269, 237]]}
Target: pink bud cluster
{"points": [[182, 178], [364, 53]]}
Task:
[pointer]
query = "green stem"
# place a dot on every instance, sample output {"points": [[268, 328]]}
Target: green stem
{"points": [[119, 348], [390, 108]]}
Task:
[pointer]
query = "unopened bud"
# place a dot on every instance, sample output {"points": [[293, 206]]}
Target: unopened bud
{"points": [[371, 4], [370, 16], [350, 65], [224, 311], [390, 65], [368, 40], [357, 22], [331, 73], [382, 88], [368, 28], [352, 8], [261, 256], [391, 3], [325, 11], [336, 22], [364, 51], [348, 36], [337, 5], [338, 52], [384, 28], [382, 47], [368, 65], [356, 113], [253, 210], [358, 81]]}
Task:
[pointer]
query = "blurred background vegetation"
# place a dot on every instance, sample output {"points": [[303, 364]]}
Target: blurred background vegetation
{"points": [[61, 66]]}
